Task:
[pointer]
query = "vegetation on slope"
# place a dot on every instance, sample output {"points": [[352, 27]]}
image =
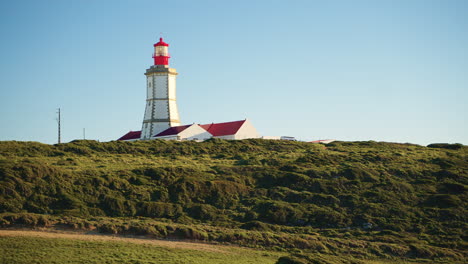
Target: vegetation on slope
{"points": [[85, 249], [357, 198]]}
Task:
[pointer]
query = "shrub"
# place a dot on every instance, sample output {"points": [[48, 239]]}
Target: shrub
{"points": [[455, 146], [304, 259], [359, 174], [158, 209], [443, 201], [324, 217], [452, 188], [203, 212], [116, 206], [279, 213], [190, 233], [323, 200], [108, 228], [291, 260], [255, 225]]}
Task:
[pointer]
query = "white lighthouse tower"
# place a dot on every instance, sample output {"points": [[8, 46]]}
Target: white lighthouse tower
{"points": [[161, 107]]}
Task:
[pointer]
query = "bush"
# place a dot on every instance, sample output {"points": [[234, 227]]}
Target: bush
{"points": [[116, 206], [204, 212], [304, 259], [324, 217], [323, 200], [443, 201], [455, 146], [158, 209], [190, 233], [109, 228], [255, 225], [359, 174], [452, 188], [280, 213], [291, 260]]}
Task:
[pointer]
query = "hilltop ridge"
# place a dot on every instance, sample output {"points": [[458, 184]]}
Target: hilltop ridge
{"points": [[363, 199]]}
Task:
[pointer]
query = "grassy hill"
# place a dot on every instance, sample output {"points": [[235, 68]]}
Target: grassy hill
{"points": [[351, 200], [73, 247]]}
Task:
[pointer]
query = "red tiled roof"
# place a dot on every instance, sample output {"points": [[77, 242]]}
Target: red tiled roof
{"points": [[223, 129], [172, 131], [131, 135]]}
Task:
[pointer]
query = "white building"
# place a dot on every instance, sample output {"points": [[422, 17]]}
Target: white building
{"points": [[234, 130], [188, 132]]}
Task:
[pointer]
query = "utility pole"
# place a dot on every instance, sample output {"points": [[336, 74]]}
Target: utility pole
{"points": [[58, 121]]}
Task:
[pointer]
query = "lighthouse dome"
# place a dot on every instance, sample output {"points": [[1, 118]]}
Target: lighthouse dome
{"points": [[161, 43]]}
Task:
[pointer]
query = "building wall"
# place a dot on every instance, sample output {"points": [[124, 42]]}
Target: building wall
{"points": [[271, 137], [160, 86], [195, 132], [173, 110], [229, 137], [149, 86], [172, 87], [146, 130], [247, 130], [161, 107], [171, 137], [129, 140]]}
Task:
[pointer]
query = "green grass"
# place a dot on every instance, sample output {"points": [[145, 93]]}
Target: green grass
{"points": [[60, 250], [362, 199], [16, 250]]}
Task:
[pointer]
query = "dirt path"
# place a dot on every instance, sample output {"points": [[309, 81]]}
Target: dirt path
{"points": [[100, 237]]}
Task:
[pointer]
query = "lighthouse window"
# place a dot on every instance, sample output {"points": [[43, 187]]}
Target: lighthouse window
{"points": [[161, 51]]}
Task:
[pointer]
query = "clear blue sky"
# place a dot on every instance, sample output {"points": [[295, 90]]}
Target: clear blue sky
{"points": [[350, 70]]}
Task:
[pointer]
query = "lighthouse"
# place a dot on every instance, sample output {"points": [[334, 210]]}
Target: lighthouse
{"points": [[161, 107], [161, 119]]}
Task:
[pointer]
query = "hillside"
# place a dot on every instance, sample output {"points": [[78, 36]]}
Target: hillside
{"points": [[74, 247], [349, 200]]}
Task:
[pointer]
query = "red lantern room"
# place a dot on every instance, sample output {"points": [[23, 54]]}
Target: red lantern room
{"points": [[161, 53]]}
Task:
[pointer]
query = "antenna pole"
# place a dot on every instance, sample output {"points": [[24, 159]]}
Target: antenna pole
{"points": [[58, 120]]}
